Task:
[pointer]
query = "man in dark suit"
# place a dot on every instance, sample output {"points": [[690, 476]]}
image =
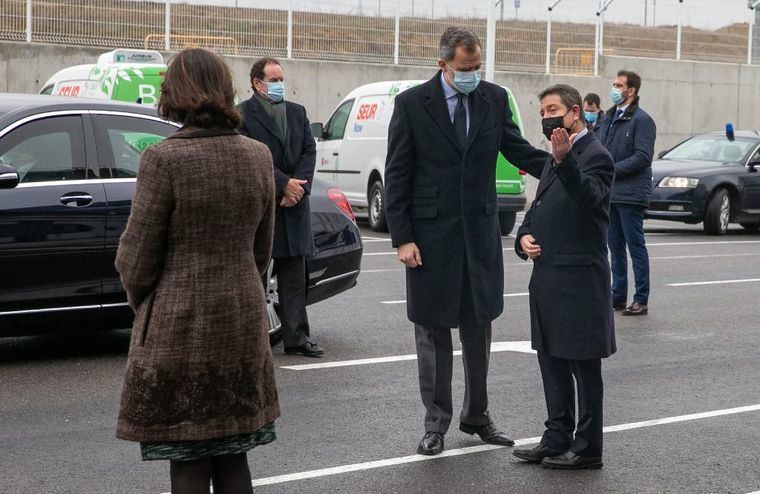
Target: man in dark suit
{"points": [[443, 141], [572, 326], [284, 128]]}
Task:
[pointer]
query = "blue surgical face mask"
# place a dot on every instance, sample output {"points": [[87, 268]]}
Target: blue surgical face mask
{"points": [[275, 91], [590, 116], [466, 82], [616, 95]]}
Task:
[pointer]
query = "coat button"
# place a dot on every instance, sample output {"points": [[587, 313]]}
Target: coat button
{"points": [[538, 203]]}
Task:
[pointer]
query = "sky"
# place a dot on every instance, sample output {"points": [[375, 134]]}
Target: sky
{"points": [[697, 13]]}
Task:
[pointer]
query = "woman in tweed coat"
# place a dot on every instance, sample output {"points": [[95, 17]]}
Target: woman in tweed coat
{"points": [[199, 388]]}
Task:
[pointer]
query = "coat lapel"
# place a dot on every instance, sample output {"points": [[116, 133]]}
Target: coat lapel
{"points": [[478, 104], [260, 115], [549, 176], [436, 106]]}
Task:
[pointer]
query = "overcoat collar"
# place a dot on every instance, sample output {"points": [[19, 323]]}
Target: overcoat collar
{"points": [[188, 132], [259, 113], [435, 104], [549, 175]]}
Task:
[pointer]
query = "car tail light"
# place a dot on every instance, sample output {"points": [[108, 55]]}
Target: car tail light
{"points": [[339, 199], [522, 172]]}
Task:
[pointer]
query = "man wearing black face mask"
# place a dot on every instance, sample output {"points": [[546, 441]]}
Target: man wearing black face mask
{"points": [[572, 328]]}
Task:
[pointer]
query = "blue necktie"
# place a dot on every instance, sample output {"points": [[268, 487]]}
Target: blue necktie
{"points": [[460, 120], [619, 114]]}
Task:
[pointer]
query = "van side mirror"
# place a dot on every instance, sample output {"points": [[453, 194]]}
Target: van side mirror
{"points": [[754, 165], [8, 177], [662, 153], [317, 130]]}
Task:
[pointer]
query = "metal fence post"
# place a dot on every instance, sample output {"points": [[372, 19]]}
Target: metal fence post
{"points": [[491, 41], [168, 25], [290, 29], [396, 34], [28, 21], [549, 43], [751, 31], [680, 22], [596, 46]]}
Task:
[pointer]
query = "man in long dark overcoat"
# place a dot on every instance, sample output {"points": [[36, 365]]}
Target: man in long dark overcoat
{"points": [[283, 126], [572, 325], [443, 141]]}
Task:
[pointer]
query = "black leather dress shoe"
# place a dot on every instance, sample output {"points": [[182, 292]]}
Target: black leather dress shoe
{"points": [[488, 433], [636, 309], [570, 461], [431, 444], [308, 349], [620, 306], [536, 454]]}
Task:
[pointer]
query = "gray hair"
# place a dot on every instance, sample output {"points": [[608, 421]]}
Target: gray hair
{"points": [[569, 96], [454, 37]]}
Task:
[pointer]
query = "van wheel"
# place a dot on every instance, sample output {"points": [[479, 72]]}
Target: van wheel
{"points": [[273, 306], [718, 213], [377, 208], [507, 221]]}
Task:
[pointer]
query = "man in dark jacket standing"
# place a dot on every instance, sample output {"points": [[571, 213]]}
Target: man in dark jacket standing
{"points": [[592, 112], [629, 135], [443, 141], [572, 328], [284, 128]]}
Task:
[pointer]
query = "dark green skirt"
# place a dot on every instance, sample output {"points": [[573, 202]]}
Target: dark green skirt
{"points": [[195, 450]]}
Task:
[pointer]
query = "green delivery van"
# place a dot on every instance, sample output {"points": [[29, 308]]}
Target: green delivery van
{"points": [[351, 150], [133, 76]]}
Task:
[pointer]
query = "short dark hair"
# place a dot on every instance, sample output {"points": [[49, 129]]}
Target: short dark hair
{"points": [[569, 96], [197, 91], [257, 69], [593, 99], [632, 79], [453, 38]]}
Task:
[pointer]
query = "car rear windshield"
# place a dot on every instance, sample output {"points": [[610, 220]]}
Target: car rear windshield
{"points": [[712, 148]]}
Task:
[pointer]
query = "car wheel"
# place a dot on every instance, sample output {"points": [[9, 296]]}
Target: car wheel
{"points": [[753, 227], [377, 208], [507, 221], [270, 289], [718, 214]]}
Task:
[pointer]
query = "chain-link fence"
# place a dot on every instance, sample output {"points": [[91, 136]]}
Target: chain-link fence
{"points": [[566, 39]]}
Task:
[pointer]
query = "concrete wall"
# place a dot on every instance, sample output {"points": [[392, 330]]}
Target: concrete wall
{"points": [[684, 98]]}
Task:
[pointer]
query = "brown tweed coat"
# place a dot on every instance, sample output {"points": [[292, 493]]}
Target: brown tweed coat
{"points": [[198, 238]]}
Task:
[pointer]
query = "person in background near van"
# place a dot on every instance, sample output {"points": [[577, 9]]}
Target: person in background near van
{"points": [[572, 327], [283, 127], [199, 388], [629, 135], [443, 140], [592, 112]]}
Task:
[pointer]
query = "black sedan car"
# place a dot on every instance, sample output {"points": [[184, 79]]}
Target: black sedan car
{"points": [[710, 178], [67, 176]]}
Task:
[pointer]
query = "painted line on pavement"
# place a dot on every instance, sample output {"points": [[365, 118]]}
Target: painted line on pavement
{"points": [[357, 467], [661, 244], [496, 347], [660, 258], [721, 282], [506, 295]]}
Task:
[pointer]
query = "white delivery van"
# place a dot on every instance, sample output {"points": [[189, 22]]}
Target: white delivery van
{"points": [[352, 145], [133, 76]]}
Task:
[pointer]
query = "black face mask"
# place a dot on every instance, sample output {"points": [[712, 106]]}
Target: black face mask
{"points": [[548, 124]]}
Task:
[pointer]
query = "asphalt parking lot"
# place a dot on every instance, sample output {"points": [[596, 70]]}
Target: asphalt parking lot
{"points": [[682, 393]]}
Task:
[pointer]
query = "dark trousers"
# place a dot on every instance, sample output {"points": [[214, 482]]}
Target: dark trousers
{"points": [[291, 294], [559, 390], [627, 230], [435, 362]]}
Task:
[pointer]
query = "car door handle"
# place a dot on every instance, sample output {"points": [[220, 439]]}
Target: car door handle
{"points": [[336, 153], [76, 199]]}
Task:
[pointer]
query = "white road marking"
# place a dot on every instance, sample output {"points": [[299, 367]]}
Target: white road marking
{"points": [[506, 295], [374, 240], [357, 467], [661, 244], [365, 237], [496, 347], [721, 282]]}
